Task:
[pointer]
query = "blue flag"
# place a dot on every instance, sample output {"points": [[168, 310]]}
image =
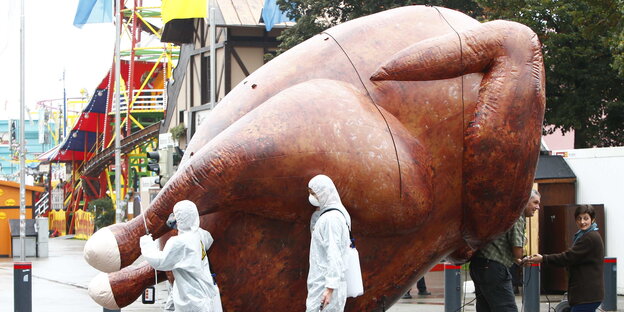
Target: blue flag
{"points": [[93, 11], [271, 14]]}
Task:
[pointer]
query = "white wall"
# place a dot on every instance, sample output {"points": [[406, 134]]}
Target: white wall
{"points": [[600, 180]]}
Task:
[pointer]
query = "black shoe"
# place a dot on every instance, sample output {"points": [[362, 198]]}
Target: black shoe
{"points": [[407, 296], [424, 293]]}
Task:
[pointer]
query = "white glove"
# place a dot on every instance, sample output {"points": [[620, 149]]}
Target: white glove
{"points": [[149, 249], [146, 240]]}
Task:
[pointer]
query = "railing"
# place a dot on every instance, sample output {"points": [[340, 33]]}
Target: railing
{"points": [[96, 164], [144, 100], [42, 204]]}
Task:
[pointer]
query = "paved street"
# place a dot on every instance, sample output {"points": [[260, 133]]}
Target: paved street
{"points": [[60, 284]]}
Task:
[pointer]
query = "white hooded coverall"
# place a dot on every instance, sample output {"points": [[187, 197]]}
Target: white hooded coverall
{"points": [[183, 255], [330, 240]]}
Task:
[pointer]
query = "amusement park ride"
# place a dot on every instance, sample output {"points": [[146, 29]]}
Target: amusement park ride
{"points": [[89, 147]]}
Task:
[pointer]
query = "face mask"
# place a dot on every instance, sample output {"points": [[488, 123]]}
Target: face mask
{"points": [[314, 201], [171, 222]]}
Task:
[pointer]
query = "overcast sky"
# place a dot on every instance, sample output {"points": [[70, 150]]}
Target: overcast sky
{"points": [[52, 44]]}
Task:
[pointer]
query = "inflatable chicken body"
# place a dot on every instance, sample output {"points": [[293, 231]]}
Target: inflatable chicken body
{"points": [[427, 121]]}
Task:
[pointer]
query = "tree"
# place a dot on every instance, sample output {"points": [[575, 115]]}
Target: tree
{"points": [[104, 212], [617, 43], [314, 16], [583, 46], [584, 90]]}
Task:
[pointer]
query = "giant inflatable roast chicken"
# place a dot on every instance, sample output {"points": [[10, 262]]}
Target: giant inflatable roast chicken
{"points": [[428, 122]]}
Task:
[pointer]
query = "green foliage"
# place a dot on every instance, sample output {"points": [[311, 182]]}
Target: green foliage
{"points": [[314, 16], [104, 212], [584, 90], [617, 42], [583, 46], [178, 131]]}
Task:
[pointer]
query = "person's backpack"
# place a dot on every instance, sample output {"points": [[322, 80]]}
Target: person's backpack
{"points": [[353, 273]]}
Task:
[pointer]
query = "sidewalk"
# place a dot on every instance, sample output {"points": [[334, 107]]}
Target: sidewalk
{"points": [[60, 284], [435, 302]]}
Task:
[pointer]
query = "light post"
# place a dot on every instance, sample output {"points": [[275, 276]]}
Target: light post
{"points": [[22, 271]]}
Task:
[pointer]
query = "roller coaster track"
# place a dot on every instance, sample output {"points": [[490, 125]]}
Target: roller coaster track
{"points": [[97, 163]]}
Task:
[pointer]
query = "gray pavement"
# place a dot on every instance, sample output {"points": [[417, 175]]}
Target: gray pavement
{"points": [[60, 284], [60, 281], [435, 302]]}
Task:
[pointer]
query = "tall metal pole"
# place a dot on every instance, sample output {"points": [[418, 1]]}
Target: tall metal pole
{"points": [[21, 135], [64, 107], [22, 271], [213, 57], [118, 216]]}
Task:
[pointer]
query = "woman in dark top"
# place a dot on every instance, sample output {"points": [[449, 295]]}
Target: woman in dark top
{"points": [[583, 261]]}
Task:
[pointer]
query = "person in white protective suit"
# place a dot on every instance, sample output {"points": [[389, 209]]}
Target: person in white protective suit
{"points": [[327, 288], [185, 256]]}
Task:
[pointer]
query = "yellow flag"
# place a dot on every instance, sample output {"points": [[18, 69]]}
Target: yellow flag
{"points": [[175, 9]]}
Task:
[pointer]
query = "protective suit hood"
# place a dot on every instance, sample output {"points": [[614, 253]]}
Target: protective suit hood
{"points": [[184, 255], [328, 196], [328, 245], [186, 215]]}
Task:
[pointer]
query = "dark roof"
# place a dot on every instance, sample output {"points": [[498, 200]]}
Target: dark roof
{"points": [[553, 167]]}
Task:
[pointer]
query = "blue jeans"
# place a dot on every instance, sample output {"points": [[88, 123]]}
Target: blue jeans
{"points": [[585, 307]]}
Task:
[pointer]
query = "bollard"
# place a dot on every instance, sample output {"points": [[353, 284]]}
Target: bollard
{"points": [[22, 286], [610, 282], [452, 288], [531, 287]]}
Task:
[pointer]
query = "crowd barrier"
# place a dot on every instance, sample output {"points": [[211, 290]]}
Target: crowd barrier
{"points": [[83, 224], [58, 223]]}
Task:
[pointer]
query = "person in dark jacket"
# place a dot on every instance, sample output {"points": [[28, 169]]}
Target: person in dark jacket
{"points": [[583, 261]]}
